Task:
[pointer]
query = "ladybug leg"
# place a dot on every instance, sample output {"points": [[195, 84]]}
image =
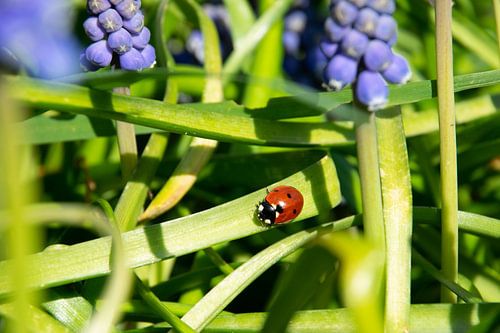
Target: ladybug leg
{"points": [[267, 190]]}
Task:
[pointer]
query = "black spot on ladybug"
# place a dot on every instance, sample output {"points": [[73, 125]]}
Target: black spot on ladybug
{"points": [[289, 195], [294, 211], [279, 209], [276, 191]]}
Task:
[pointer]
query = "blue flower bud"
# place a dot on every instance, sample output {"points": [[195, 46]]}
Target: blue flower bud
{"points": [[354, 44], [383, 6], [393, 40], [99, 54], [93, 29], [371, 90], [344, 12], [291, 42], [386, 28], [296, 21], [378, 56], [328, 48], [98, 6], [149, 56], [110, 20], [335, 31], [127, 8], [132, 60], [86, 65], [142, 39], [398, 71], [367, 21], [340, 71], [120, 41], [135, 24]]}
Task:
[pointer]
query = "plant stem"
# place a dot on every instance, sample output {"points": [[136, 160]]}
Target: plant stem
{"points": [[448, 148], [366, 139], [126, 141]]}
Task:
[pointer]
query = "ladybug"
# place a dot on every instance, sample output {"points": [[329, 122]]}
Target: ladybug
{"points": [[281, 205]]}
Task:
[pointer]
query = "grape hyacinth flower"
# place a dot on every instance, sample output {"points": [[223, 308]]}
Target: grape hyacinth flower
{"points": [[359, 35], [36, 35], [116, 28]]}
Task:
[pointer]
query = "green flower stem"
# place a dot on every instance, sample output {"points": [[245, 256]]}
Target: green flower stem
{"points": [[496, 6], [448, 147], [366, 142], [397, 203], [161, 308], [126, 141]]}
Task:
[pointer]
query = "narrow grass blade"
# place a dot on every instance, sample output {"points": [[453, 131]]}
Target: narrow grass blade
{"points": [[397, 203]]}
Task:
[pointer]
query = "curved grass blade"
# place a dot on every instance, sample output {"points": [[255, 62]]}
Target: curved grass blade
{"points": [[424, 318], [232, 220]]}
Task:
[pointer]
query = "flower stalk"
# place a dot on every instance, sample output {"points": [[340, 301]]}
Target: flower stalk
{"points": [[448, 147]]}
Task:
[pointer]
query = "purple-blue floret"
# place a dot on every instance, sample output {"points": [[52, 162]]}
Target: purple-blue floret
{"points": [[99, 53], [371, 90], [98, 6], [135, 24], [340, 71], [358, 46], [120, 41], [132, 60], [127, 8], [93, 29], [378, 56], [119, 35], [140, 40], [344, 12]]}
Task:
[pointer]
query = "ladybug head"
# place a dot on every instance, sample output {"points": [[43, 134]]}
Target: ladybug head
{"points": [[268, 213]]}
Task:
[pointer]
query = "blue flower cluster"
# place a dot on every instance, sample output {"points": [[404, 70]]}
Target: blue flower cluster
{"points": [[358, 44], [116, 28], [31, 38]]}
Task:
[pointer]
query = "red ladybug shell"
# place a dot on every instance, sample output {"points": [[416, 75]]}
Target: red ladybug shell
{"points": [[288, 202]]}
